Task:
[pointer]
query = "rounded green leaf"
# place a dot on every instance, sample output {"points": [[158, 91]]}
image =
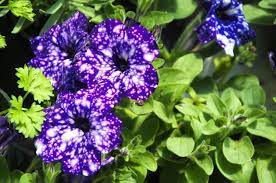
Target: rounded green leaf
{"points": [[233, 172], [205, 163], [263, 127], [257, 15], [181, 146], [238, 152], [191, 64], [253, 95]]}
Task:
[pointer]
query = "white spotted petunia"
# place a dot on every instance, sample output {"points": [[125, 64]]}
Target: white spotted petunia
{"points": [[77, 132], [121, 54], [224, 23], [55, 51]]}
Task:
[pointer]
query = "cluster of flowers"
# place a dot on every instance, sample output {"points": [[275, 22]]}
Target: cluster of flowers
{"points": [[91, 70]]}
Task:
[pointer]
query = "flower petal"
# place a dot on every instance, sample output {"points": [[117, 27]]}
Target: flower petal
{"points": [[144, 43], [106, 135], [97, 101], [140, 81], [106, 35]]}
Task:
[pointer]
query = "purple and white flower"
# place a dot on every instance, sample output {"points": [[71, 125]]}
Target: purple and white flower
{"points": [[123, 55], [225, 23], [77, 132], [55, 51]]}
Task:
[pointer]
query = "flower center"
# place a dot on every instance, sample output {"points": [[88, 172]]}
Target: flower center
{"points": [[222, 15], [82, 124], [70, 52], [121, 63]]}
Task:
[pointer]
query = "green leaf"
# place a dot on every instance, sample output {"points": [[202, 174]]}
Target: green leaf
{"points": [[238, 152], [27, 121], [52, 20], [181, 146], [4, 173], [234, 172], [140, 173], [160, 110], [263, 127], [188, 109], [205, 163], [19, 25], [266, 169], [156, 18], [157, 63], [148, 130], [257, 15], [194, 174], [28, 178], [2, 42], [230, 99], [33, 81], [3, 12], [254, 95], [210, 128], [51, 171], [21, 8], [191, 64], [15, 176], [146, 159], [145, 108], [172, 77], [178, 8], [267, 4], [55, 7], [215, 105], [123, 175], [241, 82]]}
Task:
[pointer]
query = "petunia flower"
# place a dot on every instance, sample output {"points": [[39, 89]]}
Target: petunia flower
{"points": [[123, 55], [225, 23], [55, 51], [7, 135], [77, 131]]}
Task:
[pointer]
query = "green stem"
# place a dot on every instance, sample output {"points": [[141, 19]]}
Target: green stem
{"points": [[4, 6], [4, 112], [25, 96], [180, 45], [4, 94], [165, 53]]}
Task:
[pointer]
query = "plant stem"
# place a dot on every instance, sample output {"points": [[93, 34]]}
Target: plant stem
{"points": [[4, 94], [25, 96], [4, 112]]}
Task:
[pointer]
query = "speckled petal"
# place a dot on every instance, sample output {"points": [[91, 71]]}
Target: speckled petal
{"points": [[106, 35], [140, 81], [106, 135], [98, 100], [81, 158], [143, 42], [93, 68]]}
